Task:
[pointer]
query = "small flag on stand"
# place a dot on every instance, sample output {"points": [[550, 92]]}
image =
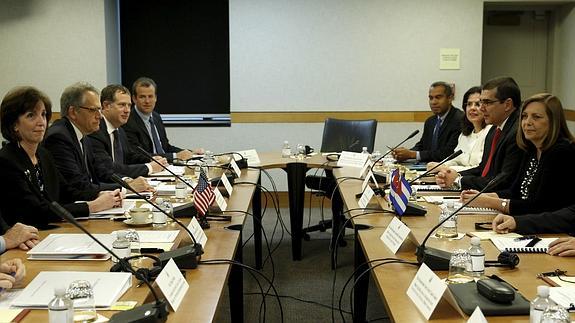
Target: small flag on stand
{"points": [[399, 192], [204, 195]]}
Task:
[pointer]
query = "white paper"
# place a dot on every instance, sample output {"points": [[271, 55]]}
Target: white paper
{"points": [[365, 197], [8, 296], [108, 287], [227, 184], [172, 284], [477, 316], [236, 168], [395, 234], [251, 155], [170, 189], [155, 236], [426, 290], [220, 200], [197, 231], [126, 206], [68, 246], [564, 296], [178, 170], [351, 159]]}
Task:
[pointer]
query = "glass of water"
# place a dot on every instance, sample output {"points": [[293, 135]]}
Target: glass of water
{"points": [[82, 296], [555, 314], [459, 267]]}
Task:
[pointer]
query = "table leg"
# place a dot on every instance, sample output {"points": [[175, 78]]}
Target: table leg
{"points": [[236, 286], [296, 189], [257, 218], [361, 284]]}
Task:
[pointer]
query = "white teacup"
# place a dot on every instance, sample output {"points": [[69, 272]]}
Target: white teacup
{"points": [[140, 215]]}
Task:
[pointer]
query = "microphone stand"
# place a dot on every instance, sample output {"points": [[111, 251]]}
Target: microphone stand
{"points": [[151, 312], [186, 257], [437, 259], [448, 158]]}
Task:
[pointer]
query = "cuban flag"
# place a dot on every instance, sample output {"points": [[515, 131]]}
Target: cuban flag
{"points": [[399, 192]]}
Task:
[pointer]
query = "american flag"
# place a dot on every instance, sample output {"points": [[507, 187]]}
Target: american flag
{"points": [[204, 196]]}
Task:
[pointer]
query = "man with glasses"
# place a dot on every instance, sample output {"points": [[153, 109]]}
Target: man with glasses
{"points": [[67, 139], [110, 144], [440, 132], [145, 127], [500, 101]]}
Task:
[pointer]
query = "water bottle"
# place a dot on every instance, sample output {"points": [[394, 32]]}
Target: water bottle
{"points": [[121, 246], [555, 314], [286, 150], [159, 219], [449, 228], [375, 156], [539, 304], [60, 308], [477, 257], [167, 206], [181, 190], [364, 151]]}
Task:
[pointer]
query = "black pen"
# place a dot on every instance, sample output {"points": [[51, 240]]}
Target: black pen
{"points": [[533, 242]]}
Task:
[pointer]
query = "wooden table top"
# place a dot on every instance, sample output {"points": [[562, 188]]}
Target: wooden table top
{"points": [[393, 280], [206, 281]]}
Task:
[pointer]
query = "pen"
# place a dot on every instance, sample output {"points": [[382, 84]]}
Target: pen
{"points": [[525, 238], [533, 242], [11, 274]]}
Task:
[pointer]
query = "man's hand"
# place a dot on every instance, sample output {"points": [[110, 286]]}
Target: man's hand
{"points": [[19, 235], [106, 200], [157, 168], [504, 223], [446, 177], [140, 184], [562, 247], [11, 272], [402, 153], [184, 155]]}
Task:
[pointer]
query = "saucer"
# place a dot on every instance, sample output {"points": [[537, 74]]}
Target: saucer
{"points": [[138, 224]]}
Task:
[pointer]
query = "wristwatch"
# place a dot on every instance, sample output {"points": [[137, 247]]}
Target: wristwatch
{"points": [[504, 203], [457, 183]]}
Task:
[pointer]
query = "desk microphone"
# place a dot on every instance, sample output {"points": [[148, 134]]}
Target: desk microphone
{"points": [[185, 257], [392, 149], [151, 312], [448, 158], [437, 259]]}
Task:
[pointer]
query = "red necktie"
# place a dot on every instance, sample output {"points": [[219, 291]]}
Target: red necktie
{"points": [[491, 152]]}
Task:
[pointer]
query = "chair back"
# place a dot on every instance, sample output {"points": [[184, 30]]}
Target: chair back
{"points": [[348, 135]]}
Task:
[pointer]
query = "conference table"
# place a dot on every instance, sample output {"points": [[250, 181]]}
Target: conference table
{"points": [[206, 282], [393, 280]]}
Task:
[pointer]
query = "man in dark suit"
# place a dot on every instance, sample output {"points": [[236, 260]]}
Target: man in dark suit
{"points": [[500, 101], [440, 132], [67, 139], [110, 144], [145, 127]]}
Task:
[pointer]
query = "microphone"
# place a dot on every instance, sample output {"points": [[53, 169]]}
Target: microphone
{"points": [[151, 312], [505, 259], [448, 158], [392, 149], [242, 162], [437, 259], [185, 257]]}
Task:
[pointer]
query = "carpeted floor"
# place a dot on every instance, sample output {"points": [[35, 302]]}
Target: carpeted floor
{"points": [[305, 286]]}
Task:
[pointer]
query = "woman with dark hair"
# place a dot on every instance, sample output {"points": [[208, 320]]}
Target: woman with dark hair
{"points": [[29, 169], [472, 137], [542, 183]]}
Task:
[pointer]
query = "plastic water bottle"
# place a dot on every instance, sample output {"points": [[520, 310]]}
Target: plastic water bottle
{"points": [[60, 308], [121, 246], [159, 219], [364, 151], [477, 257], [286, 150], [167, 206], [539, 304], [449, 228]]}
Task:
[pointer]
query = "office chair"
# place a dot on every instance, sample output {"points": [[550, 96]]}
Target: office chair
{"points": [[338, 135]]}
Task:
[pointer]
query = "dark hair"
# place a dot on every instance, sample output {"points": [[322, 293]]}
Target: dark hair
{"points": [[506, 88], [466, 125], [145, 82], [447, 89], [109, 92], [557, 124], [17, 102], [73, 96]]}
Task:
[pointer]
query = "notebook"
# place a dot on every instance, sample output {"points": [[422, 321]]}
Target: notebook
{"points": [[519, 246]]}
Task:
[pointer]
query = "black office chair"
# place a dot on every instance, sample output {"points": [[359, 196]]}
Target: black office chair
{"points": [[339, 135]]}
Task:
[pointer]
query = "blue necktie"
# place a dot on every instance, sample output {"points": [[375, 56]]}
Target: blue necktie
{"points": [[157, 144], [435, 134]]}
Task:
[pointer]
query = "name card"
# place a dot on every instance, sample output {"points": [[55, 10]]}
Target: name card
{"points": [[395, 234], [235, 167], [227, 184], [251, 155], [426, 290], [365, 197], [172, 284], [220, 200], [477, 316], [351, 159], [365, 167], [197, 231], [369, 176]]}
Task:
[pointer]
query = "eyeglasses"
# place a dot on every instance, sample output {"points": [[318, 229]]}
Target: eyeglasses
{"points": [[489, 102], [93, 109]]}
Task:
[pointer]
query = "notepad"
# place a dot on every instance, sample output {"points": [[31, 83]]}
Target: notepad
{"points": [[519, 246]]}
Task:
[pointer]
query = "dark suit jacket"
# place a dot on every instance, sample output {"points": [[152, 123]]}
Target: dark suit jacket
{"points": [[138, 134], [62, 143], [447, 140], [132, 163], [506, 160], [22, 200], [551, 188], [560, 221]]}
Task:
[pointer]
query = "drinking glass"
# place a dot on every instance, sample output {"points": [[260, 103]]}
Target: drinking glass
{"points": [[459, 267], [82, 296]]}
